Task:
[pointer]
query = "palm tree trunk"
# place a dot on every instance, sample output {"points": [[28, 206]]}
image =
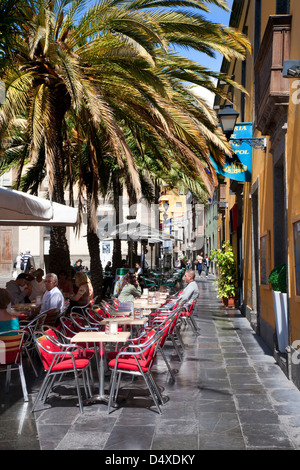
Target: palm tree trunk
{"points": [[93, 242], [59, 255], [96, 265], [117, 252]]}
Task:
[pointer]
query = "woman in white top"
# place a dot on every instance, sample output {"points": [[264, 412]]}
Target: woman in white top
{"points": [[38, 285]]}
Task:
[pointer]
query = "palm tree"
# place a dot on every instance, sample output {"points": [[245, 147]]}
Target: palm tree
{"points": [[113, 64]]}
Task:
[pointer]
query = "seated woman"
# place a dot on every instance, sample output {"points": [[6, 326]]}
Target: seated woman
{"points": [[85, 291], [7, 321], [130, 288], [64, 284], [38, 284]]}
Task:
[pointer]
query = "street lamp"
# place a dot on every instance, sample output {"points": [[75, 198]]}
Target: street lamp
{"points": [[227, 118]]}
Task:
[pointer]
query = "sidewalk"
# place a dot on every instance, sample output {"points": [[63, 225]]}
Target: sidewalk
{"points": [[229, 394]]}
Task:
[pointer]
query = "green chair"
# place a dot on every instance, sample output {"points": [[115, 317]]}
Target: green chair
{"points": [[170, 282], [149, 283]]}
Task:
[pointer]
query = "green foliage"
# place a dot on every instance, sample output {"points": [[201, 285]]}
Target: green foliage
{"points": [[227, 279], [277, 278]]}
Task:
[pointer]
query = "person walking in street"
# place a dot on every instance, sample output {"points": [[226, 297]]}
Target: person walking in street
{"points": [[199, 263], [28, 261], [206, 264], [18, 263]]}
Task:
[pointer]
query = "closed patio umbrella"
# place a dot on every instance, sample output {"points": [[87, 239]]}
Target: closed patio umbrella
{"points": [[18, 208]]}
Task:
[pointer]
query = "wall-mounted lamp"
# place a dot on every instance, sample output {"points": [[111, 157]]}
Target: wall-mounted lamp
{"points": [[291, 69], [227, 118]]}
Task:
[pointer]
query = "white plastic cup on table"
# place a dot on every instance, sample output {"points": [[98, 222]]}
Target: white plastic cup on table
{"points": [[137, 314], [113, 328]]}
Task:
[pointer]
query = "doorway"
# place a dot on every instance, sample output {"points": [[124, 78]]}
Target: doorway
{"points": [[255, 314]]}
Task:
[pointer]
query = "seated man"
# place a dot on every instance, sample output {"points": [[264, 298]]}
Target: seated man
{"points": [[53, 298], [20, 289], [191, 291]]}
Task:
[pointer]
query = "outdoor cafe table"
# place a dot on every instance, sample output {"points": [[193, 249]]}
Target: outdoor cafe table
{"points": [[127, 321], [143, 304], [100, 337], [23, 311]]}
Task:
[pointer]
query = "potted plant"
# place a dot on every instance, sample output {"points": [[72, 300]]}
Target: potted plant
{"points": [[227, 274], [277, 279]]}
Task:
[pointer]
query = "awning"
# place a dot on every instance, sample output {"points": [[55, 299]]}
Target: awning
{"points": [[18, 208]]}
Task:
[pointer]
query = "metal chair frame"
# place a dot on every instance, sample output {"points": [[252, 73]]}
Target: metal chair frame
{"points": [[14, 342], [60, 356], [187, 316], [138, 352], [65, 339]]}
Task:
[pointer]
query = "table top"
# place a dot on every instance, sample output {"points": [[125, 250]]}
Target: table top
{"points": [[23, 306], [100, 337], [146, 306], [121, 313], [124, 321]]}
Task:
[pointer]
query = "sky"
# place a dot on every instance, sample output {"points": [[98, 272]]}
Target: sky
{"points": [[216, 15]]}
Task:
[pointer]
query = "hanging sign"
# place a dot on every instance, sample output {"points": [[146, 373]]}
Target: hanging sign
{"points": [[239, 166]]}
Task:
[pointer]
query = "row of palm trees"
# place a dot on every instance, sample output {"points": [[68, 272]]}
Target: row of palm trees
{"points": [[97, 96]]}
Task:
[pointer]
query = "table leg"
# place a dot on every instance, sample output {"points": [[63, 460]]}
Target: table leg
{"points": [[101, 397]]}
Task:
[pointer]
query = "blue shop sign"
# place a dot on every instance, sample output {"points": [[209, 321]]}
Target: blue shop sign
{"points": [[239, 166]]}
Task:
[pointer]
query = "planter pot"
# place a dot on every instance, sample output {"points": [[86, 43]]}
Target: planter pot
{"points": [[229, 302], [281, 320]]}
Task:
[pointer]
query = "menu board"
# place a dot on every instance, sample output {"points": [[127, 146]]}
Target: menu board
{"points": [[296, 227], [120, 274]]}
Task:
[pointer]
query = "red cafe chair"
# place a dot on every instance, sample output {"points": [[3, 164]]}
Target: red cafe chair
{"points": [[137, 360], [11, 347], [187, 315], [59, 359]]}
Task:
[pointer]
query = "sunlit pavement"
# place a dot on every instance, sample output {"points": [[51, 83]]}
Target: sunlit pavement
{"points": [[228, 394]]}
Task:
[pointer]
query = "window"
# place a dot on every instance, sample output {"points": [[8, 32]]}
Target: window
{"points": [[282, 7]]}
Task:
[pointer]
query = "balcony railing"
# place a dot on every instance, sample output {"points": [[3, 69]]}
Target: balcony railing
{"points": [[271, 89]]}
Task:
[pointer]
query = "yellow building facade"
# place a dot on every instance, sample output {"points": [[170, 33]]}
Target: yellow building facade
{"points": [[266, 209]]}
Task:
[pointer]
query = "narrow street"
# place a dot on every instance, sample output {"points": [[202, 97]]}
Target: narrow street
{"points": [[229, 394]]}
